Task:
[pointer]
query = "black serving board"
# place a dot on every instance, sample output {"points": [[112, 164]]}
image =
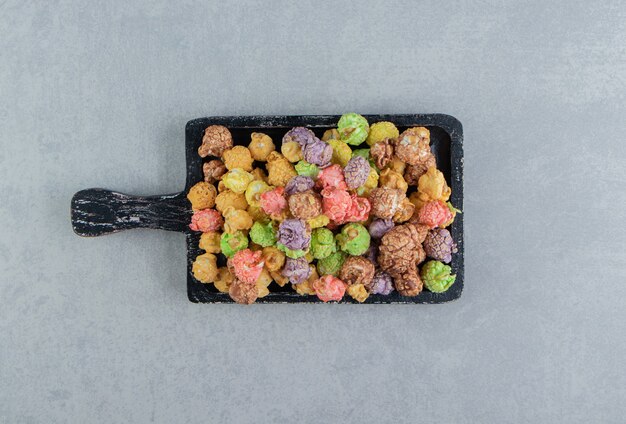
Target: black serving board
{"points": [[97, 212]]}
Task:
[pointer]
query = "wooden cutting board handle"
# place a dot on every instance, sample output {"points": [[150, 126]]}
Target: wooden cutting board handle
{"points": [[96, 212]]}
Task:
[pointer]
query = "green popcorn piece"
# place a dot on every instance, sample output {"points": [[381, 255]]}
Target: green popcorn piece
{"points": [[353, 128], [293, 254], [307, 169], [331, 265], [322, 243], [354, 239], [263, 234], [437, 276], [233, 243]]}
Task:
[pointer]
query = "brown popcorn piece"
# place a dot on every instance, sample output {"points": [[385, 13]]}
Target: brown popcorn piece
{"points": [[412, 173], [305, 205], [243, 293], [409, 283], [385, 201], [357, 270], [382, 152], [413, 145], [405, 211], [238, 157], [213, 170], [421, 255], [216, 139], [398, 250]]}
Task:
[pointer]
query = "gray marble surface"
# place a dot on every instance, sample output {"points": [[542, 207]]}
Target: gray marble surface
{"points": [[100, 330]]}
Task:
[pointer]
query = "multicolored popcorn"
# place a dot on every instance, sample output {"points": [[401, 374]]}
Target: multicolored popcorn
{"points": [[322, 215]]}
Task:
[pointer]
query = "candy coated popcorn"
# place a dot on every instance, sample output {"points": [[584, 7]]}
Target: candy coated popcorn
{"points": [[331, 134], [273, 202], [413, 145], [331, 265], [242, 292], [385, 201], [204, 268], [358, 292], [233, 243], [279, 169], [292, 253], [319, 221], [365, 154], [397, 165], [213, 170], [353, 239], [229, 198], [380, 131], [206, 220], [382, 153], [434, 214], [341, 152], [331, 178], [294, 234], [329, 288], [236, 219], [404, 212], [409, 283], [263, 234], [254, 191], [437, 277], [305, 205], [392, 179], [306, 287], [398, 250], [353, 128], [382, 283], [370, 184], [299, 184], [259, 175], [274, 258], [292, 151], [297, 270], [413, 173], [216, 139], [439, 245], [318, 153], [379, 227], [238, 157], [261, 145], [322, 243], [307, 169], [359, 209], [301, 135], [257, 214], [223, 280], [356, 172], [432, 186], [336, 204], [202, 195], [237, 180], [264, 280], [247, 265], [357, 270], [210, 242], [453, 211]]}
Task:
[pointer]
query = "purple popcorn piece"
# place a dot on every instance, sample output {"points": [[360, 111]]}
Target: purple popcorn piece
{"points": [[302, 136], [299, 184], [382, 283], [297, 270], [294, 234], [439, 245], [356, 172], [318, 153], [379, 227]]}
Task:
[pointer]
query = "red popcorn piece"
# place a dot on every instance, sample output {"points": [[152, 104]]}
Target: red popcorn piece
{"points": [[247, 265], [336, 204], [359, 209], [329, 288], [434, 214], [273, 202], [331, 177], [206, 220]]}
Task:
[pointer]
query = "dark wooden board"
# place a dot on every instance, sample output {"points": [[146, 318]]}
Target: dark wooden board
{"points": [[96, 211]]}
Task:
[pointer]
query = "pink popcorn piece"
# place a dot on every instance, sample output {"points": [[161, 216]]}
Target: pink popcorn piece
{"points": [[336, 204], [273, 202], [329, 288], [248, 265], [359, 209], [206, 220], [331, 177], [435, 214]]}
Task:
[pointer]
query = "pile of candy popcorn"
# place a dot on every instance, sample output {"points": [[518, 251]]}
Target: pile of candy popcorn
{"points": [[324, 217]]}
